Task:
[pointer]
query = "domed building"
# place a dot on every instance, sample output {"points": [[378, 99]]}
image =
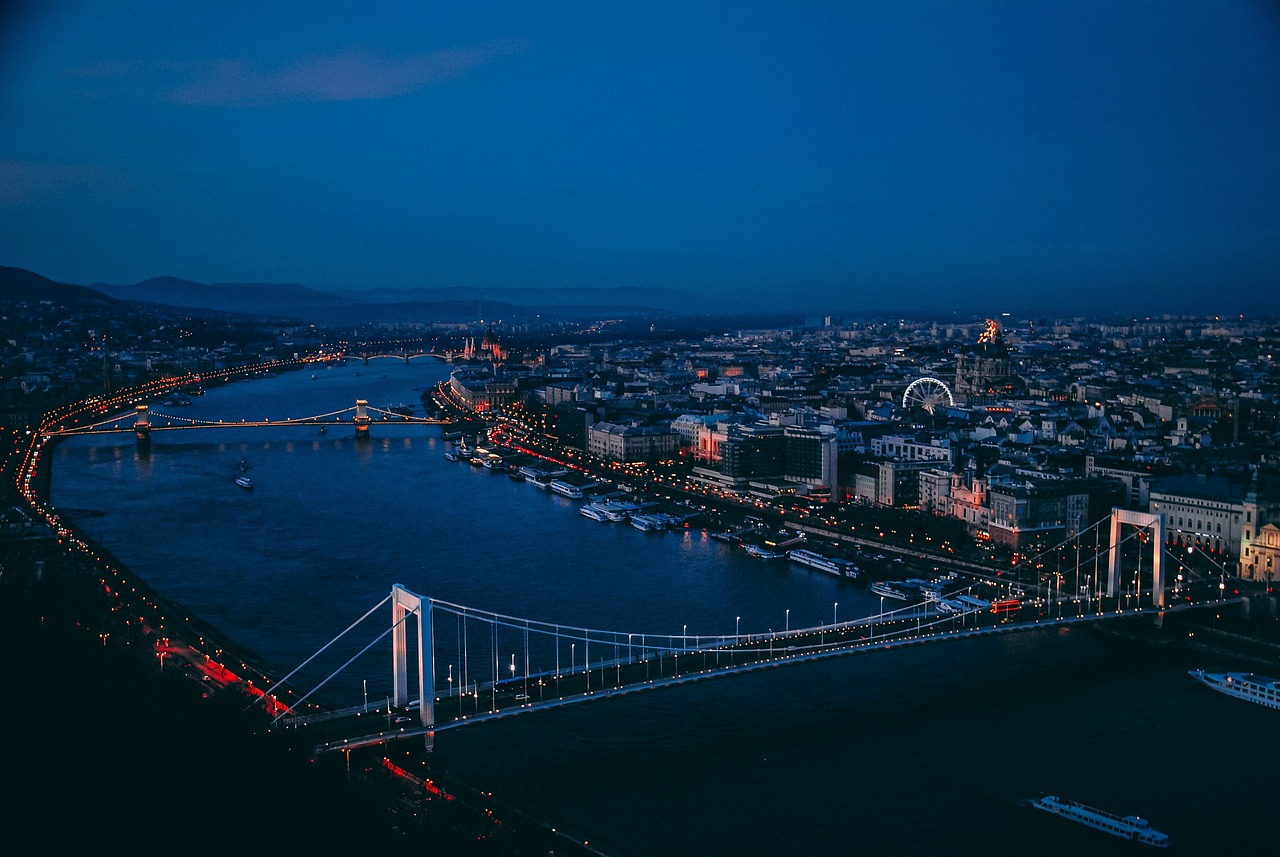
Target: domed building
{"points": [[984, 375]]}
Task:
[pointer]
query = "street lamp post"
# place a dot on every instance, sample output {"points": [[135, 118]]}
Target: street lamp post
{"points": [[787, 627]]}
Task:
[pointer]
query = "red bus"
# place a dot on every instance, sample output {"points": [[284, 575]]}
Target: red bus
{"points": [[1007, 605]]}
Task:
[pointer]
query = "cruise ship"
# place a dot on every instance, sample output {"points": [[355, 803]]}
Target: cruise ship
{"points": [[1255, 688], [1129, 827], [831, 565]]}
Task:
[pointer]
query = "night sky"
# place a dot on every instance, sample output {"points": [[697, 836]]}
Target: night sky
{"points": [[1025, 155]]}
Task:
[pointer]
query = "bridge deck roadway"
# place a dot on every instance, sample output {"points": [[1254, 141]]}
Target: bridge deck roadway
{"points": [[523, 695]]}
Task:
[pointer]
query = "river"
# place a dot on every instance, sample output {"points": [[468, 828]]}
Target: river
{"points": [[914, 751]]}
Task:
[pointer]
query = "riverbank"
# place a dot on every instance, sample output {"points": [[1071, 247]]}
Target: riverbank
{"points": [[134, 715]]}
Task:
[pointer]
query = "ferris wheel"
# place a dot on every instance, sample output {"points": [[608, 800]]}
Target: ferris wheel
{"points": [[927, 393]]}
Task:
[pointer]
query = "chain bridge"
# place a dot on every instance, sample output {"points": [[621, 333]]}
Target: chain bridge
{"points": [[143, 421]]}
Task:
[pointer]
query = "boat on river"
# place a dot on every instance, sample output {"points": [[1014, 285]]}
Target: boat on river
{"points": [[763, 553], [593, 512], [891, 590], [1254, 688], [649, 523], [568, 489], [831, 565], [244, 482], [1129, 827]]}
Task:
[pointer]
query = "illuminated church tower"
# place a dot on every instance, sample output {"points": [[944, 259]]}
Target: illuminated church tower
{"points": [[985, 374]]}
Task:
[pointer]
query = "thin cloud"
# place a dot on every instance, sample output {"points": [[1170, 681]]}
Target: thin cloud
{"points": [[25, 181], [352, 75]]}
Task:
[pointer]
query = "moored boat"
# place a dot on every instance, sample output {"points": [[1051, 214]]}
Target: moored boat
{"points": [[763, 553], [831, 565], [890, 590], [649, 523], [566, 489], [1127, 827], [593, 512]]}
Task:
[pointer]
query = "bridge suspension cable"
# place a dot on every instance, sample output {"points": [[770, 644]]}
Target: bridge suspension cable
{"points": [[325, 647], [349, 662]]}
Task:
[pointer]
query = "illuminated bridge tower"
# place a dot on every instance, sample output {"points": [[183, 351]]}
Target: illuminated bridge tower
{"points": [[1144, 520], [403, 604], [142, 427], [362, 419]]}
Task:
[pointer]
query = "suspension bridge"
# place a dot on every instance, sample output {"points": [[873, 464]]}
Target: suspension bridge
{"points": [[454, 665], [143, 421]]}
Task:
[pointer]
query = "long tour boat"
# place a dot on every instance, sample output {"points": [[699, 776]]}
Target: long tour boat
{"points": [[1255, 688], [1127, 827], [831, 565]]}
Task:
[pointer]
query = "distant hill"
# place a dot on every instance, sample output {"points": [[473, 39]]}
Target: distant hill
{"points": [[19, 284], [351, 306], [291, 299], [298, 302]]}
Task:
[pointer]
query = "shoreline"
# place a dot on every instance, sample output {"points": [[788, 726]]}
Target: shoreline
{"points": [[113, 614]]}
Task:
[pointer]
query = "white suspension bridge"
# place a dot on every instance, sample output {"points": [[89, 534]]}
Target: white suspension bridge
{"points": [[454, 665]]}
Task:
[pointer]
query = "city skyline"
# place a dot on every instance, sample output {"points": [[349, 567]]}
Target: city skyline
{"points": [[1023, 157]]}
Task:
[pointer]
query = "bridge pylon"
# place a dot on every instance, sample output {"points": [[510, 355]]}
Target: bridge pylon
{"points": [[142, 426], [404, 603], [362, 418], [1144, 520]]}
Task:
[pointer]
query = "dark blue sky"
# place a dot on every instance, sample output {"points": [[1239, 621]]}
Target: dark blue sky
{"points": [[904, 154]]}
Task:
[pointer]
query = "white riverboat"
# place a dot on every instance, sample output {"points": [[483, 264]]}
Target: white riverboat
{"points": [[566, 489], [614, 509], [593, 512], [1255, 688], [890, 590], [649, 523], [244, 482], [1127, 827], [763, 553], [831, 565]]}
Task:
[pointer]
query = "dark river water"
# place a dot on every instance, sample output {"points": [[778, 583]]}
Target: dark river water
{"points": [[914, 751]]}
